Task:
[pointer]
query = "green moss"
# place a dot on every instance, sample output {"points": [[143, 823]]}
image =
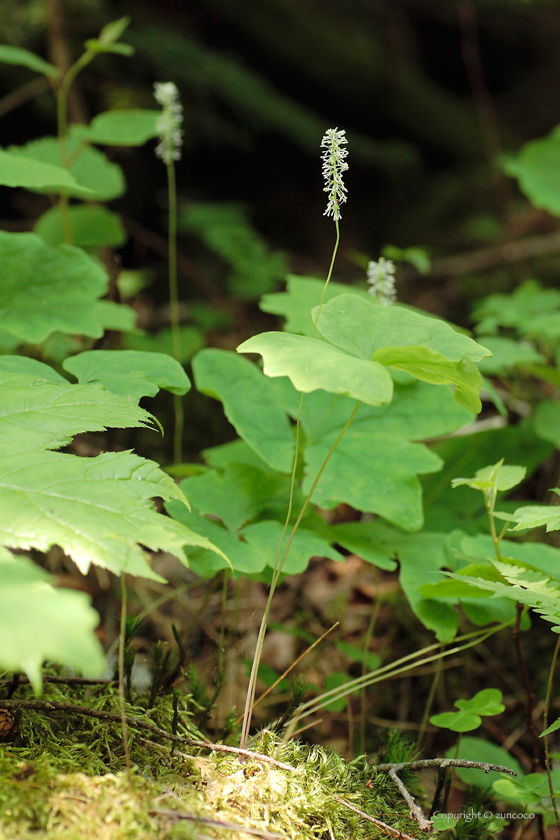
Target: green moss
{"points": [[63, 777]]}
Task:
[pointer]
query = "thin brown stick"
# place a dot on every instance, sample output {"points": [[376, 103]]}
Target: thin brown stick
{"points": [[21, 94], [122, 705], [484, 105], [59, 55], [379, 823], [159, 244], [422, 764], [133, 722], [227, 826], [497, 255], [415, 811]]}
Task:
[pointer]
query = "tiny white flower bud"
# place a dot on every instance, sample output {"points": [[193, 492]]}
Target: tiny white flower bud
{"points": [[333, 167], [381, 277], [169, 122]]}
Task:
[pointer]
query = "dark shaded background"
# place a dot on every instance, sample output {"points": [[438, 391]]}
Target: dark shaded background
{"points": [[429, 91]]}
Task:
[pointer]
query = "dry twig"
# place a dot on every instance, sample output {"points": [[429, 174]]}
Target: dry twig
{"points": [[441, 763]]}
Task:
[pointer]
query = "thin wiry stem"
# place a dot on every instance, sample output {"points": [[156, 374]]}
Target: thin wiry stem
{"points": [[174, 307], [546, 752], [262, 630], [122, 705], [62, 119], [333, 166]]}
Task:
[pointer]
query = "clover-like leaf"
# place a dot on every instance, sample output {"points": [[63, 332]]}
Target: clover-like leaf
{"points": [[129, 373], [486, 702], [39, 622], [311, 364]]}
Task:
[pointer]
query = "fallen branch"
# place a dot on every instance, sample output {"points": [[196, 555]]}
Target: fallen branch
{"points": [[441, 763], [133, 722], [379, 823], [509, 252]]}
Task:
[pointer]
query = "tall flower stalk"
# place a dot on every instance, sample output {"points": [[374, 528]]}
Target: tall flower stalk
{"points": [[334, 164], [169, 150]]}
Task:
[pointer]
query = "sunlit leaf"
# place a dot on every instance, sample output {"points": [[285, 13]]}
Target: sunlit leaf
{"points": [[39, 622], [130, 373]]}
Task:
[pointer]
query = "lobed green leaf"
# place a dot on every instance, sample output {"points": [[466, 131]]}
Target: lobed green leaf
{"points": [[39, 622], [129, 373]]}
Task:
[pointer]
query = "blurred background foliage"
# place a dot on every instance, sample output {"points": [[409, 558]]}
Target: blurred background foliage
{"points": [[433, 95], [429, 91]]}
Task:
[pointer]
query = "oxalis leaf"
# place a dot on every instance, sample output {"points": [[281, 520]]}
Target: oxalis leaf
{"points": [[426, 348], [40, 622], [97, 510], [43, 289]]}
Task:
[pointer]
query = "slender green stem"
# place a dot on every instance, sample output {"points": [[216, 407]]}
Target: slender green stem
{"points": [[223, 621], [367, 640], [122, 706], [329, 275], [174, 307], [394, 668], [429, 702], [276, 575], [249, 701], [62, 119], [546, 752]]}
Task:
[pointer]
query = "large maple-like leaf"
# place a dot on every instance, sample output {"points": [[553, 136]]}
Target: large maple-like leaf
{"points": [[43, 289], [96, 509], [40, 622], [37, 413]]}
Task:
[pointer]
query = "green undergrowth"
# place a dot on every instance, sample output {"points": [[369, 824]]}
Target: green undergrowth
{"points": [[63, 776]]}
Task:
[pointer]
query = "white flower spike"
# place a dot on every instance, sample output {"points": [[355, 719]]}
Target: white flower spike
{"points": [[169, 122], [333, 167], [381, 277]]}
